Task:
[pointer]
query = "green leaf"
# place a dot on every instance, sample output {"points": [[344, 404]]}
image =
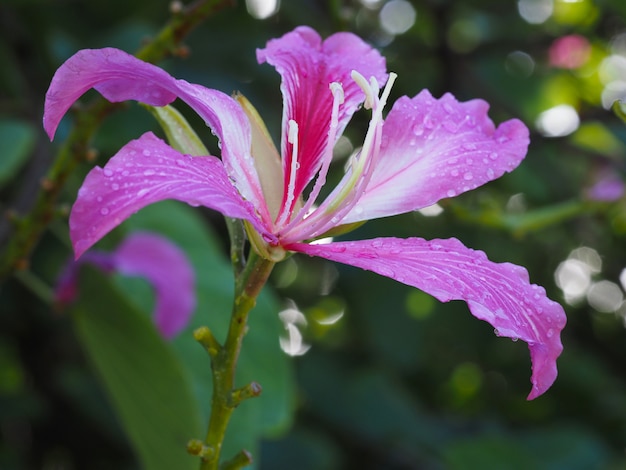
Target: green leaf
{"points": [[17, 140], [179, 133], [261, 358], [145, 381]]}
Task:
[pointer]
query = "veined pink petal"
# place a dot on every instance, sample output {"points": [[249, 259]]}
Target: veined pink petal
{"points": [[167, 268], [437, 148], [119, 76], [499, 293], [145, 171], [307, 67]]}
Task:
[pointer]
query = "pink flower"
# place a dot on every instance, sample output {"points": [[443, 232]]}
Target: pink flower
{"points": [[608, 186], [154, 258], [570, 52], [425, 149]]}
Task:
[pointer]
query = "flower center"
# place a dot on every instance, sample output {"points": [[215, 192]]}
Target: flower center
{"points": [[310, 222]]}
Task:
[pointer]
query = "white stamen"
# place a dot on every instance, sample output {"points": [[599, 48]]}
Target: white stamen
{"points": [[366, 87], [292, 133], [292, 138], [337, 91]]}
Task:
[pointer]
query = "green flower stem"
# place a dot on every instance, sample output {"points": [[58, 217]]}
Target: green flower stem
{"points": [[28, 229], [226, 397]]}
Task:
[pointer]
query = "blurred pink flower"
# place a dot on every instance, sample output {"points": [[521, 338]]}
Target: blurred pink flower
{"points": [[608, 187], [569, 52], [154, 258], [426, 149]]}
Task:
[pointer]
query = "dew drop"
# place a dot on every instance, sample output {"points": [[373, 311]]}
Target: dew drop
{"points": [[142, 192], [468, 176], [550, 333], [451, 193], [418, 129], [493, 155], [125, 173], [146, 153], [469, 146], [514, 339], [108, 172], [490, 173], [454, 172], [181, 162], [104, 211], [99, 199], [149, 172], [115, 186]]}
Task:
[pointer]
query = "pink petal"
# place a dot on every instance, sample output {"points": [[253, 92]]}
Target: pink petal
{"points": [[167, 268], [145, 171], [307, 67], [433, 149], [499, 293], [119, 76]]}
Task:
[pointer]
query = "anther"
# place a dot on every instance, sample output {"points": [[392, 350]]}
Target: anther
{"points": [[366, 87], [292, 132], [337, 91]]}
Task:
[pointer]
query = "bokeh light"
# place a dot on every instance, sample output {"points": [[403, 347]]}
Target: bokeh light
{"points": [[397, 17]]}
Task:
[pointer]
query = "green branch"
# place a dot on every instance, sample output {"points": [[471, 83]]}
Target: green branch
{"points": [[224, 358], [28, 229]]}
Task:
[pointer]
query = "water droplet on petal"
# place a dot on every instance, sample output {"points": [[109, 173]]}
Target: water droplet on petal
{"points": [[108, 172], [142, 192], [418, 129], [146, 153], [469, 146], [149, 172], [181, 162], [451, 193], [493, 155], [468, 176], [115, 186], [104, 211], [490, 173]]}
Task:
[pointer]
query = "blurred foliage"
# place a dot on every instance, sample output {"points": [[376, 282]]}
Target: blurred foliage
{"points": [[392, 379]]}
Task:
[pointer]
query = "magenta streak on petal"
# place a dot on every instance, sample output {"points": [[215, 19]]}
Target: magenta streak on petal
{"points": [[307, 67], [499, 293], [167, 268], [347, 193], [434, 149], [119, 76], [145, 171]]}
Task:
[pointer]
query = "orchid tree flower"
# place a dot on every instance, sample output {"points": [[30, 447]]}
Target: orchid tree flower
{"points": [[424, 150], [153, 257]]}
